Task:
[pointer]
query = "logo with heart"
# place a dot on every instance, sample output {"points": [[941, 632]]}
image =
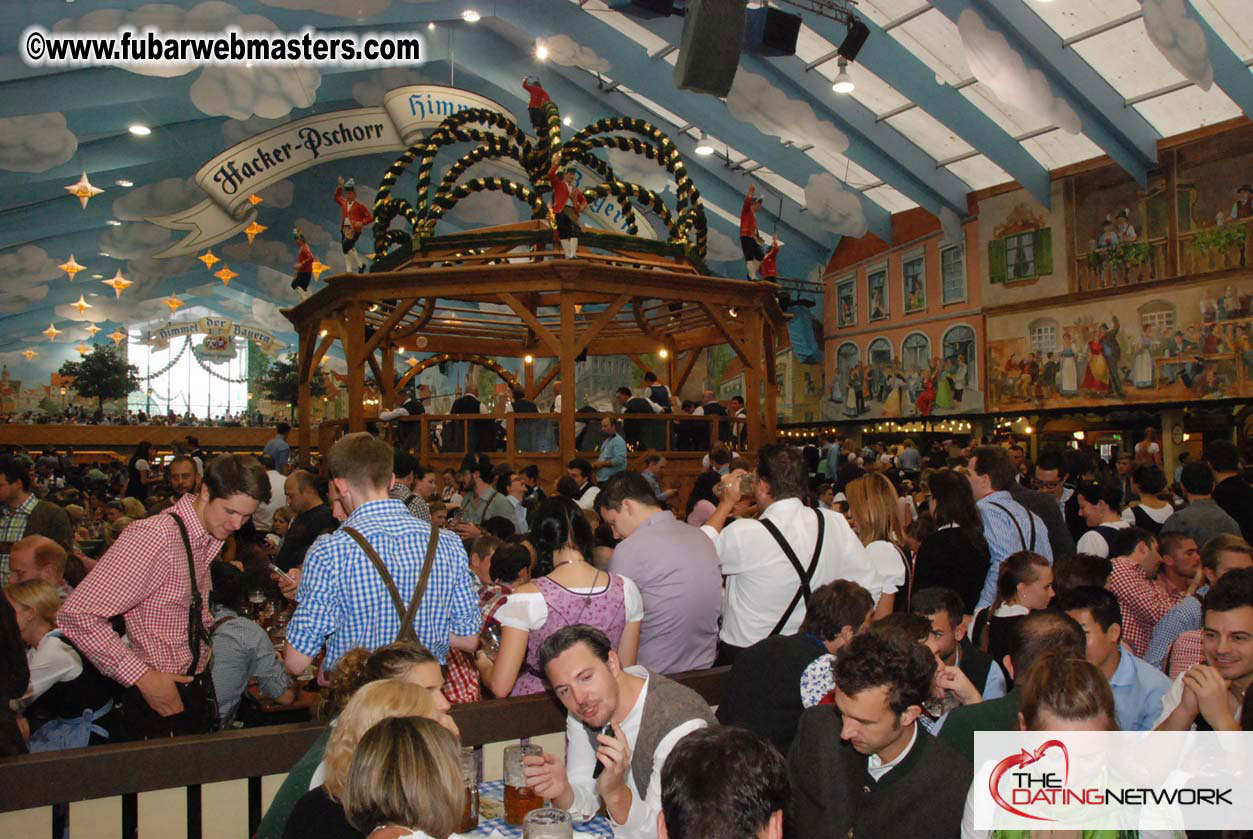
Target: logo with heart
{"points": [[1025, 758]]}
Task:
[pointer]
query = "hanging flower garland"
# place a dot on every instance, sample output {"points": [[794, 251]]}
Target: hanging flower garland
{"points": [[219, 376], [155, 373]]}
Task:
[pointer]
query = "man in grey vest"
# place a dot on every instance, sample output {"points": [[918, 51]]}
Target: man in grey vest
{"points": [[623, 723]]}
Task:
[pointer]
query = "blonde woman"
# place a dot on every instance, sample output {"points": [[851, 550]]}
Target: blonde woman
{"points": [[406, 661], [405, 781], [67, 704], [320, 813], [874, 516]]}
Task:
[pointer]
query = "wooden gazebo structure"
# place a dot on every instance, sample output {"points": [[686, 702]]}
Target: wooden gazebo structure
{"points": [[617, 302]]}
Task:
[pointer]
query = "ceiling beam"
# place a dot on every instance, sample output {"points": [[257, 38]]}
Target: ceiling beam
{"points": [[877, 147], [888, 59], [1231, 74], [1120, 131]]}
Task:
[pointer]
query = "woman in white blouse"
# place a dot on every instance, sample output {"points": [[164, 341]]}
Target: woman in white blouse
{"points": [[68, 703], [566, 589], [874, 515]]}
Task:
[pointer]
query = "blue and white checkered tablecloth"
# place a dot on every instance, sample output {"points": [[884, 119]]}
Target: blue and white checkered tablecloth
{"points": [[598, 828]]}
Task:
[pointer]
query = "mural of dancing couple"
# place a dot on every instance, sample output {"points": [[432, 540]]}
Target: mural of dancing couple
{"points": [[1167, 345]]}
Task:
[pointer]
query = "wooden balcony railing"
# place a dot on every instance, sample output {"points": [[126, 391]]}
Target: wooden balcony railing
{"points": [[127, 769]]}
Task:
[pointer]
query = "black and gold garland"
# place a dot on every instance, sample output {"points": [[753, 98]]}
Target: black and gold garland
{"points": [[508, 140]]}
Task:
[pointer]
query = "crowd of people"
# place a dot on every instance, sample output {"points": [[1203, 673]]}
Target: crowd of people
{"points": [[875, 608], [78, 415]]}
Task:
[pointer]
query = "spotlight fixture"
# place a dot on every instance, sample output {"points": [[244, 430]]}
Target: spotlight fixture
{"points": [[663, 353], [843, 81], [858, 32], [140, 130], [431, 26], [567, 120], [122, 182], [470, 16], [529, 359], [541, 51], [114, 223], [703, 147]]}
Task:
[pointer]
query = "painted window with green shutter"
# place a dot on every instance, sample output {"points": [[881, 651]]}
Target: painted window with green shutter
{"points": [[1021, 256]]}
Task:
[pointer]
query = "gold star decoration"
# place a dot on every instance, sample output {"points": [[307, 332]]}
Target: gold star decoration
{"points": [[52, 332], [318, 267], [83, 349], [208, 259], [412, 362], [29, 355], [92, 329], [118, 283], [173, 302], [226, 275], [117, 336], [253, 230], [83, 190], [81, 304], [71, 267], [255, 199]]}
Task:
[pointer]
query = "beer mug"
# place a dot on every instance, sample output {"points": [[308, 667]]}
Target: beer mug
{"points": [[747, 480], [520, 799], [548, 823], [470, 775]]}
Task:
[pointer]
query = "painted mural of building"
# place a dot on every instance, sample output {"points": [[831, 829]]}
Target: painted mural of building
{"points": [[903, 326], [1152, 297]]}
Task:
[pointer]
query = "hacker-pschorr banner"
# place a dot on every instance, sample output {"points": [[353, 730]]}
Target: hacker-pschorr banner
{"points": [[219, 343], [274, 155]]}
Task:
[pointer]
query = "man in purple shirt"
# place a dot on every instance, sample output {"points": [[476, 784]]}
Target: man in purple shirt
{"points": [[676, 569]]}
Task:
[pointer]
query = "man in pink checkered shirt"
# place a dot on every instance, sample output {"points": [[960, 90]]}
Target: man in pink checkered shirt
{"points": [[1147, 590], [144, 577]]}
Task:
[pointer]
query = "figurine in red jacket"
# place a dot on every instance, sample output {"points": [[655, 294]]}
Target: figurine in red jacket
{"points": [[539, 98], [568, 202], [750, 238], [304, 264], [353, 216]]}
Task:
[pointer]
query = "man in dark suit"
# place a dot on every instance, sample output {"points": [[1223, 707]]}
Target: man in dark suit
{"points": [[865, 766], [718, 431], [1045, 506]]}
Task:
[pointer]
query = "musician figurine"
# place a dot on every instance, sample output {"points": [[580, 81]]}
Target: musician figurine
{"points": [[304, 264], [568, 202], [353, 216]]}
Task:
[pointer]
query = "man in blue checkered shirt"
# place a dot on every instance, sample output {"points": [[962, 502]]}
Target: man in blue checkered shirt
{"points": [[342, 600], [1225, 552]]}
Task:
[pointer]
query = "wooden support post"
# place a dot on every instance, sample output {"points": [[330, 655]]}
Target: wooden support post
{"points": [[388, 382], [752, 381], [772, 385], [568, 387], [528, 378], [354, 335], [672, 370]]}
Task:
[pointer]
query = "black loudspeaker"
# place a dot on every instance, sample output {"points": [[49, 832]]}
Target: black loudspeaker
{"points": [[644, 8], [770, 31], [858, 32], [713, 34]]}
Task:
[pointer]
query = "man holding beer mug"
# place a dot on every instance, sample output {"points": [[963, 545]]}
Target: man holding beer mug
{"points": [[622, 724]]}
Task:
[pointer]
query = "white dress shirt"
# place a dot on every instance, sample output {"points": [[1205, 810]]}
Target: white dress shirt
{"points": [[877, 768], [761, 581], [641, 822]]}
